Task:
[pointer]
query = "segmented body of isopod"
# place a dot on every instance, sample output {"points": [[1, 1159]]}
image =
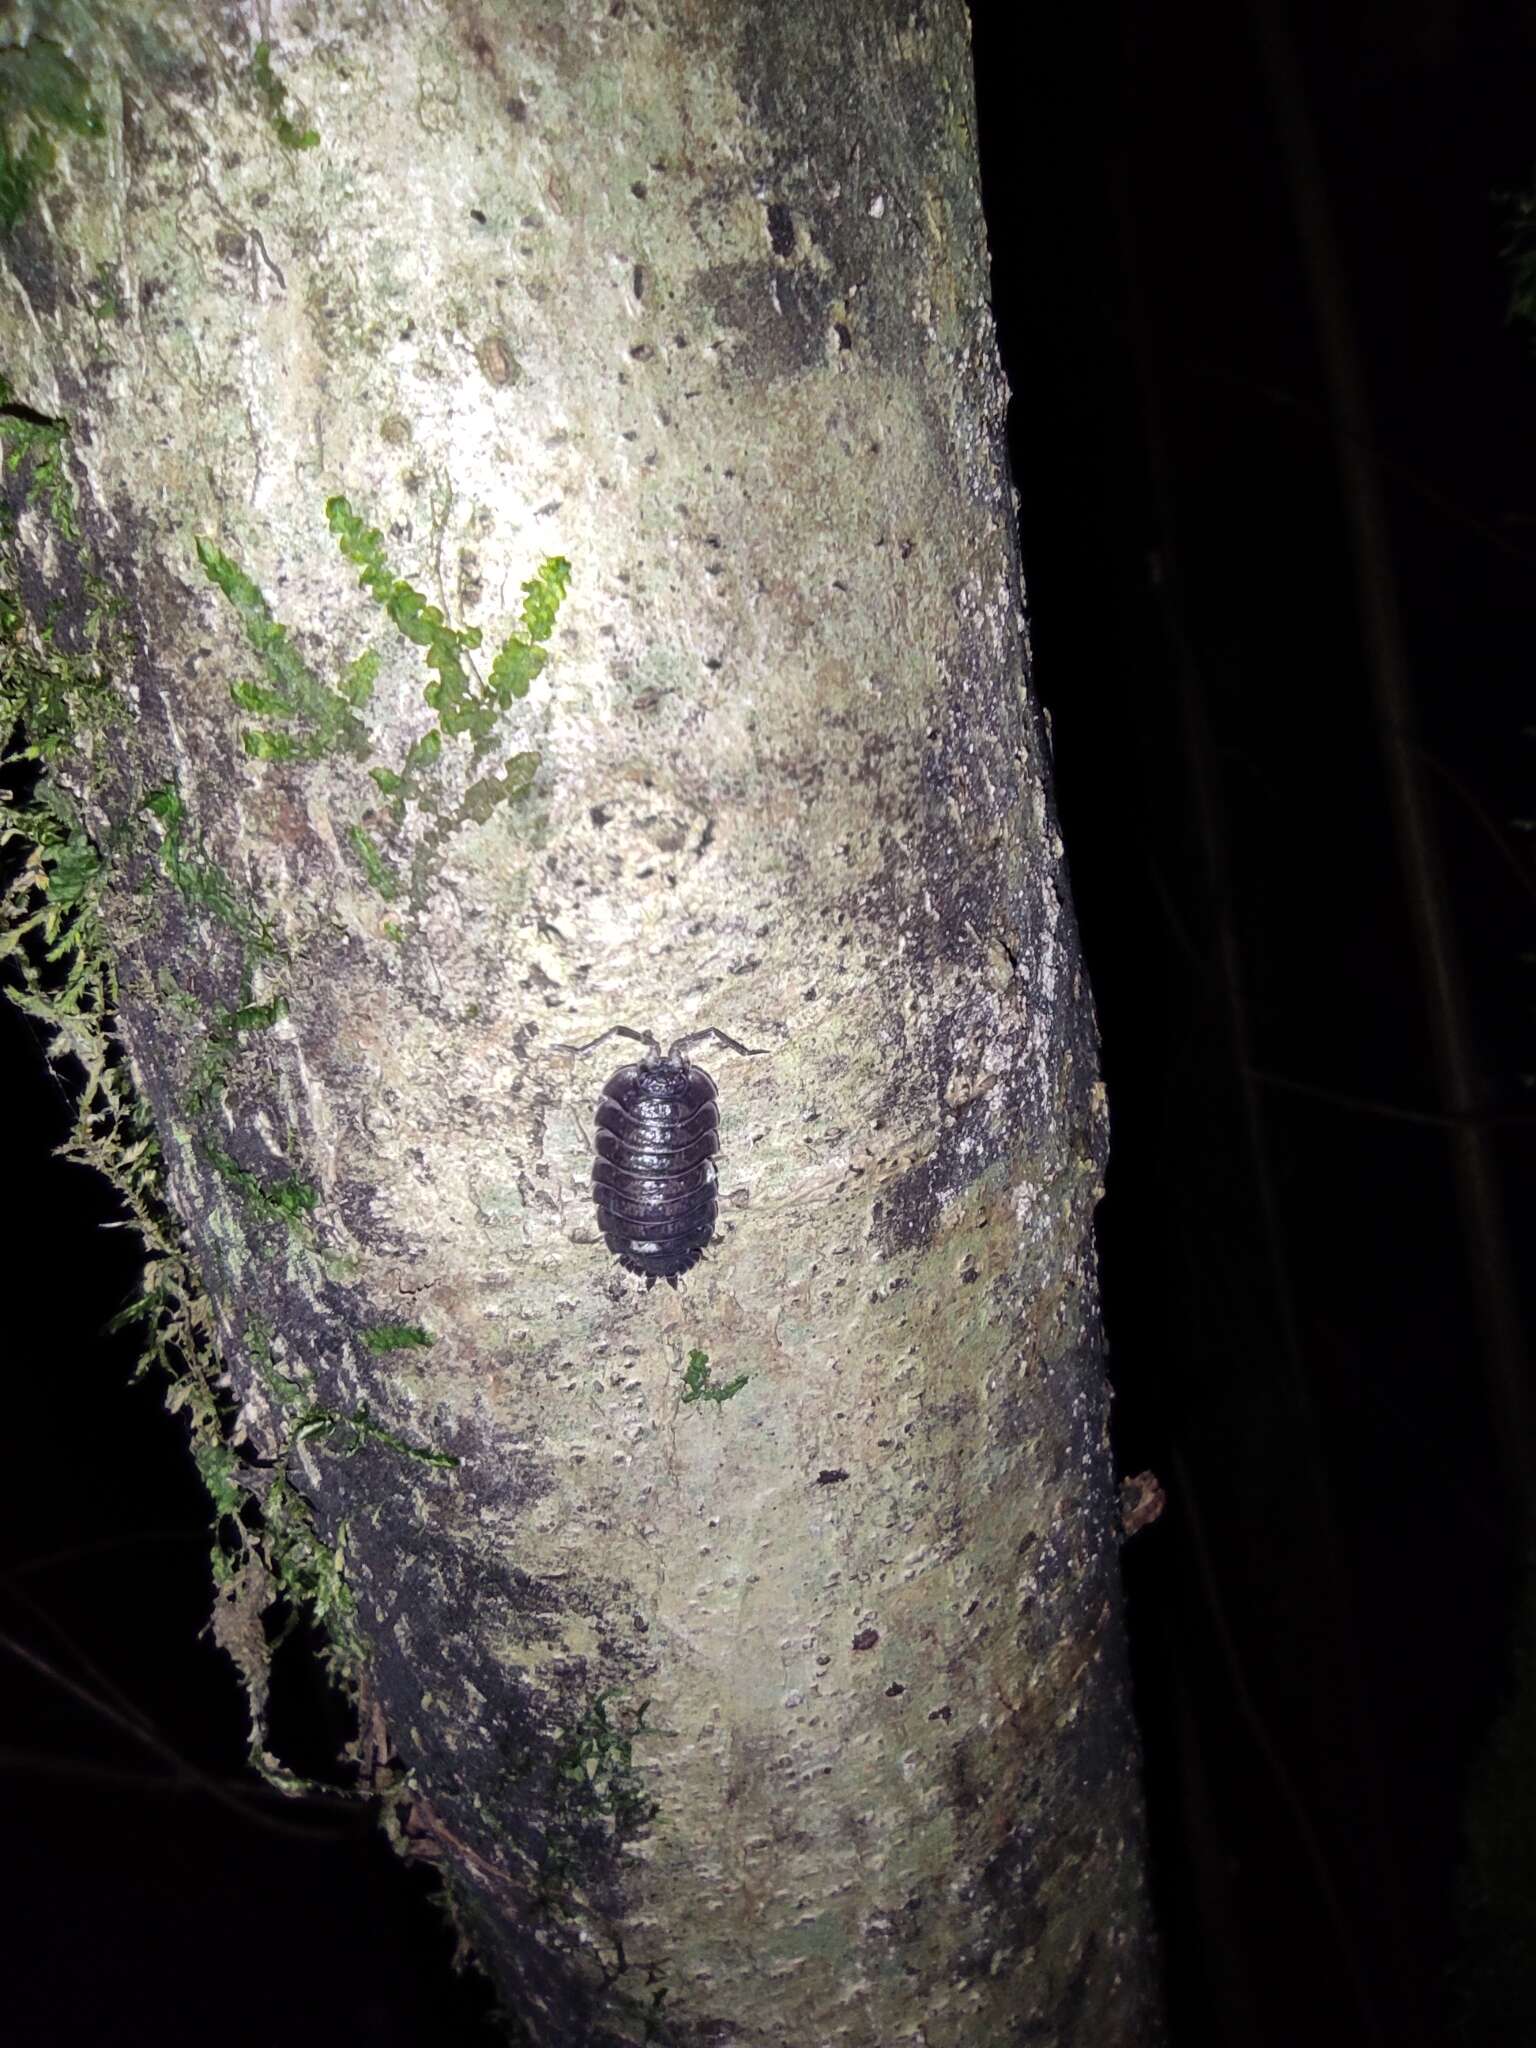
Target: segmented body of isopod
{"points": [[653, 1180], [654, 1176]]}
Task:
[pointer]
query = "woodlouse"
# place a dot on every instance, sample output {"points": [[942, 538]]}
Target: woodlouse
{"points": [[653, 1177]]}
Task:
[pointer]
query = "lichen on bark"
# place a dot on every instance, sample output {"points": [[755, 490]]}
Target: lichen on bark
{"points": [[787, 1716]]}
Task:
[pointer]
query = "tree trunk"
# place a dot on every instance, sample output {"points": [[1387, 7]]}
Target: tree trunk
{"points": [[747, 1650]]}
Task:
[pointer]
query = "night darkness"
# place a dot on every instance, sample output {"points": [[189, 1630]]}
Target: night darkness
{"points": [[1322, 1619]]}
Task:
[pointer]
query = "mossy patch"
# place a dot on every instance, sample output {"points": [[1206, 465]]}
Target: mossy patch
{"points": [[699, 1383], [596, 1787], [273, 1565], [314, 719], [200, 882], [463, 704], [43, 94], [273, 95], [304, 718], [397, 1337]]}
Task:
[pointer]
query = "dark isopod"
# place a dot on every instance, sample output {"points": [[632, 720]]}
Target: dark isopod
{"points": [[653, 1179]]}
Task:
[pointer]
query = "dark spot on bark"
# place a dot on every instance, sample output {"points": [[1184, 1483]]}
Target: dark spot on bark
{"points": [[640, 189], [29, 255], [477, 216], [599, 816], [866, 1639], [844, 338], [516, 109], [944, 1713], [782, 315], [497, 363], [830, 1478], [781, 229], [965, 1793], [1011, 1876], [637, 282], [894, 1692]]}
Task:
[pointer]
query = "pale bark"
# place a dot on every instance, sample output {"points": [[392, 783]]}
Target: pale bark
{"points": [[695, 296]]}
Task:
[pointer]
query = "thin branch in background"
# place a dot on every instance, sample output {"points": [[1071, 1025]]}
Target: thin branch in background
{"points": [[1475, 1168], [1401, 472], [1520, 869], [31, 1763], [184, 1774], [104, 1546], [1295, 1806], [1365, 1105], [1335, 1616]]}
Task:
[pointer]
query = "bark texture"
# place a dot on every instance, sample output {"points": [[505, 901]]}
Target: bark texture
{"points": [[797, 1716]]}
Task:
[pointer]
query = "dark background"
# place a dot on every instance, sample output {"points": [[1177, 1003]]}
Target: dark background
{"points": [[1321, 1620]]}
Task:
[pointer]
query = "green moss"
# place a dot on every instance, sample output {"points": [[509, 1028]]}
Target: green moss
{"points": [[461, 703], [452, 695], [48, 697], [201, 883], [284, 1388], [290, 691], [697, 1386], [348, 1434], [307, 719], [360, 676], [208, 1075], [268, 1555], [380, 875], [595, 1787], [274, 97], [34, 444], [543, 596], [423, 753], [515, 780], [397, 1337], [255, 1016], [23, 173], [41, 93], [106, 304], [279, 1201], [311, 1574], [596, 1764]]}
